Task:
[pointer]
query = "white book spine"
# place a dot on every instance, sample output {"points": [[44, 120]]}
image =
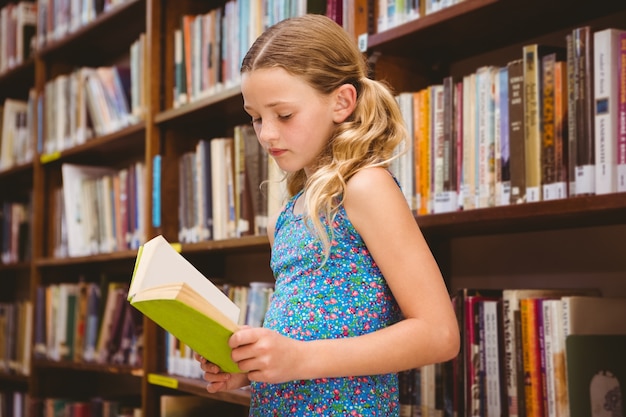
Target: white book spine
{"points": [[606, 56]]}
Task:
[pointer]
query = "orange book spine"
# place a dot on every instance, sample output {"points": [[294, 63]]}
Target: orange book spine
{"points": [[533, 387], [424, 151]]}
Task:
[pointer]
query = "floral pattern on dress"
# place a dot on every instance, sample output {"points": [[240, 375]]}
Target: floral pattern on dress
{"points": [[347, 296]]}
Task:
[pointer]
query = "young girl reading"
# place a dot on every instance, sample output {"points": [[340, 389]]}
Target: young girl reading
{"points": [[358, 295]]}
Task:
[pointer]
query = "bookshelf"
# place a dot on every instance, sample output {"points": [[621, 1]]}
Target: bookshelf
{"points": [[411, 56]]}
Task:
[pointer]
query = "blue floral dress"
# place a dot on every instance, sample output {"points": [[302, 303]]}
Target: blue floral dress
{"points": [[347, 297]]}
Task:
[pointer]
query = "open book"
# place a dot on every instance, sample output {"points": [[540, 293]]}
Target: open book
{"points": [[170, 291]]}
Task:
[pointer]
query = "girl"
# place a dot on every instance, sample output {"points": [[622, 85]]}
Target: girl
{"points": [[358, 295]]}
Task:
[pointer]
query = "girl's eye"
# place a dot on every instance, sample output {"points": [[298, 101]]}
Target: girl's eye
{"points": [[285, 117]]}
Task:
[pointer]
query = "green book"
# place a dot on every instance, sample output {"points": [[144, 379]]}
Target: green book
{"points": [[596, 375], [170, 291]]}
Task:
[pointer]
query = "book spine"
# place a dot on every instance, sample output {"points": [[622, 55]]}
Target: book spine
{"points": [[458, 106], [532, 122], [548, 149], [472, 359], [550, 323], [560, 129], [583, 95], [502, 129], [449, 150], [492, 359], [606, 44], [424, 151], [469, 141], [531, 352], [516, 132], [437, 144], [571, 119], [510, 373], [156, 191], [621, 145]]}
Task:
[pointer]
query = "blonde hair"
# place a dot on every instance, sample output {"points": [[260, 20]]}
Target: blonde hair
{"points": [[320, 52]]}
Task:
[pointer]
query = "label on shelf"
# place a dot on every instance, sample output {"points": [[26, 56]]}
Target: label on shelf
{"points": [[163, 381]]}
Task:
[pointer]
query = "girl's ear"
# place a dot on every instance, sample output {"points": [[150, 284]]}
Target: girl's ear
{"points": [[345, 102]]}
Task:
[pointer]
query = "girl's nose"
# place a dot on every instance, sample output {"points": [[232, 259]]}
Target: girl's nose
{"points": [[267, 133]]}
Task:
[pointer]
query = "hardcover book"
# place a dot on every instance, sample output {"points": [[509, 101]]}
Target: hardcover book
{"points": [[596, 375], [169, 290]]}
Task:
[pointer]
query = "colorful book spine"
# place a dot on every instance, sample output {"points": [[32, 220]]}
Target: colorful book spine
{"points": [[548, 147], [531, 352], [560, 130]]}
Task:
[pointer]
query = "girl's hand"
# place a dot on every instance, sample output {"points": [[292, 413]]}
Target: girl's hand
{"points": [[218, 380], [266, 355]]}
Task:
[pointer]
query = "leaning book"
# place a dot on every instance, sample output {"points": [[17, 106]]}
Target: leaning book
{"points": [[170, 291]]}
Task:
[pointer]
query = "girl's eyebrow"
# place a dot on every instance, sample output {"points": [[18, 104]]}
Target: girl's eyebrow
{"points": [[269, 105]]}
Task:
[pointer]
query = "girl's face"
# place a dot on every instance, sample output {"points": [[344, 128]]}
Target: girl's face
{"points": [[293, 122]]}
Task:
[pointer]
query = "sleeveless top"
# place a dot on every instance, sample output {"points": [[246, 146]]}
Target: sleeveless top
{"points": [[348, 296]]}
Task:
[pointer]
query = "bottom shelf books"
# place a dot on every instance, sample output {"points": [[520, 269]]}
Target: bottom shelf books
{"points": [[591, 327]]}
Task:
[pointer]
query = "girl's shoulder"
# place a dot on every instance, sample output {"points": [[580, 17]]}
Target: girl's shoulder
{"points": [[368, 179], [370, 195]]}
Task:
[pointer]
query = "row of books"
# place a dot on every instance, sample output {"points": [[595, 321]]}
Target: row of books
{"points": [[14, 403], [15, 337], [220, 192], [392, 13], [101, 209], [209, 47], [87, 322], [16, 131], [252, 300], [514, 359], [522, 132], [59, 18], [93, 407], [15, 241], [18, 22], [86, 103]]}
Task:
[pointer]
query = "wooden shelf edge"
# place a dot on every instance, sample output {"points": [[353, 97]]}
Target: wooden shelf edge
{"points": [[198, 387], [171, 115], [42, 364], [445, 15], [245, 243], [129, 255], [572, 212], [228, 245], [13, 378], [129, 136]]}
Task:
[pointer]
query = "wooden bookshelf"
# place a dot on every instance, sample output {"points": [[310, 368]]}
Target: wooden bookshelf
{"points": [[409, 57]]}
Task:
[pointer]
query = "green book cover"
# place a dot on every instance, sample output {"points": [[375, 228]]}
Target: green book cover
{"points": [[596, 375], [170, 291]]}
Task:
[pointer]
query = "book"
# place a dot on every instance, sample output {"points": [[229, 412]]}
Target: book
{"points": [[533, 387], [596, 374], [169, 290], [621, 97], [605, 84], [517, 163], [594, 315], [533, 109], [512, 342], [583, 110], [561, 116]]}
